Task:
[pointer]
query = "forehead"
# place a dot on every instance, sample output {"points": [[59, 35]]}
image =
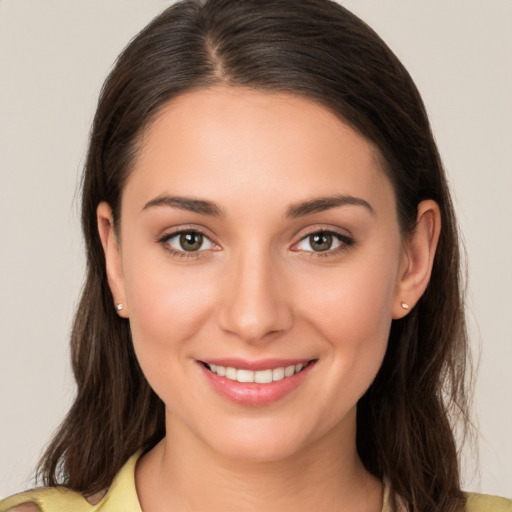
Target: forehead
{"points": [[225, 141]]}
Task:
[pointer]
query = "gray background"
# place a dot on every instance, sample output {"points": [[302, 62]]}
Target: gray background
{"points": [[54, 55]]}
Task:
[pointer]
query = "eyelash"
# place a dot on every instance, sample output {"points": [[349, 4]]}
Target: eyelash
{"points": [[344, 240], [189, 255], [345, 243]]}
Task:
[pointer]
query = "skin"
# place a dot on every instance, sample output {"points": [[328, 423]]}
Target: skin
{"points": [[259, 290]]}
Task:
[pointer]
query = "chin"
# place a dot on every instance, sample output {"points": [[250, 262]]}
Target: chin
{"points": [[267, 440], [259, 449]]}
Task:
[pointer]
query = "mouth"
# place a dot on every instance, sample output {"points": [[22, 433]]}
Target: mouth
{"points": [[264, 376], [256, 383]]}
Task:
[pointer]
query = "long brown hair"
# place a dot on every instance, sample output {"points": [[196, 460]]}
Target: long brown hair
{"points": [[320, 51]]}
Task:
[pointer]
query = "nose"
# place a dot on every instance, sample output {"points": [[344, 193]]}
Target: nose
{"points": [[256, 305]]}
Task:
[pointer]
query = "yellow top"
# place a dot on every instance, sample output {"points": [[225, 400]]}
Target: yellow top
{"points": [[122, 497]]}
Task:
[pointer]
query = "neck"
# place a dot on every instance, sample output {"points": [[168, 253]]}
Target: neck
{"points": [[183, 474]]}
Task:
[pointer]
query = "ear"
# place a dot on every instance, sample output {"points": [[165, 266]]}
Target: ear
{"points": [[112, 252], [417, 258]]}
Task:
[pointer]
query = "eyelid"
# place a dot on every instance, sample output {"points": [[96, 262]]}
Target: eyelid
{"points": [[164, 239], [185, 228], [345, 240]]}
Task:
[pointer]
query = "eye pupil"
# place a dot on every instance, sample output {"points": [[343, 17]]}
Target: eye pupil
{"points": [[191, 241], [320, 241]]}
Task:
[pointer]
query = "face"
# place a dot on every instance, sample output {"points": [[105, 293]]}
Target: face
{"points": [[258, 241]]}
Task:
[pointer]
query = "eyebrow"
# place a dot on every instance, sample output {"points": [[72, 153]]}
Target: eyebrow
{"points": [[296, 210], [190, 204], [321, 204]]}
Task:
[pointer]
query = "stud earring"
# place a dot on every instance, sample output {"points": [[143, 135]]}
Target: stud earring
{"points": [[119, 307], [404, 305]]}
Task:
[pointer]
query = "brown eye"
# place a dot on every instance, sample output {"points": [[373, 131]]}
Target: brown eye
{"points": [[191, 241], [324, 241], [320, 242], [188, 241]]}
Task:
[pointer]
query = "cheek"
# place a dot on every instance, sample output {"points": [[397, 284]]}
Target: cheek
{"points": [[167, 306], [350, 302], [167, 311], [351, 308]]}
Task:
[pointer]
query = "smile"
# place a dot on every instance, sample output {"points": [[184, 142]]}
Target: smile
{"points": [[256, 383], [259, 376]]}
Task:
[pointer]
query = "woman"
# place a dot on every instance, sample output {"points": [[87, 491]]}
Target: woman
{"points": [[272, 316]]}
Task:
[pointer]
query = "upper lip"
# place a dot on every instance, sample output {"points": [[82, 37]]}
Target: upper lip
{"points": [[262, 364]]}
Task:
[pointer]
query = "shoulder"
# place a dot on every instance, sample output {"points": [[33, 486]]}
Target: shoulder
{"points": [[486, 503], [121, 496], [52, 499]]}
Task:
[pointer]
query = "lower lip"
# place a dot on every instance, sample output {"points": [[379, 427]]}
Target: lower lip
{"points": [[252, 394]]}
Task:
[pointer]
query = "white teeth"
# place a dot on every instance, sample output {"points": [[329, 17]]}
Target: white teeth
{"points": [[245, 376], [289, 371], [263, 376], [278, 374], [231, 373], [259, 376]]}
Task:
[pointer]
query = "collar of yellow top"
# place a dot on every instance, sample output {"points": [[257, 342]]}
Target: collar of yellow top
{"points": [[122, 496]]}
